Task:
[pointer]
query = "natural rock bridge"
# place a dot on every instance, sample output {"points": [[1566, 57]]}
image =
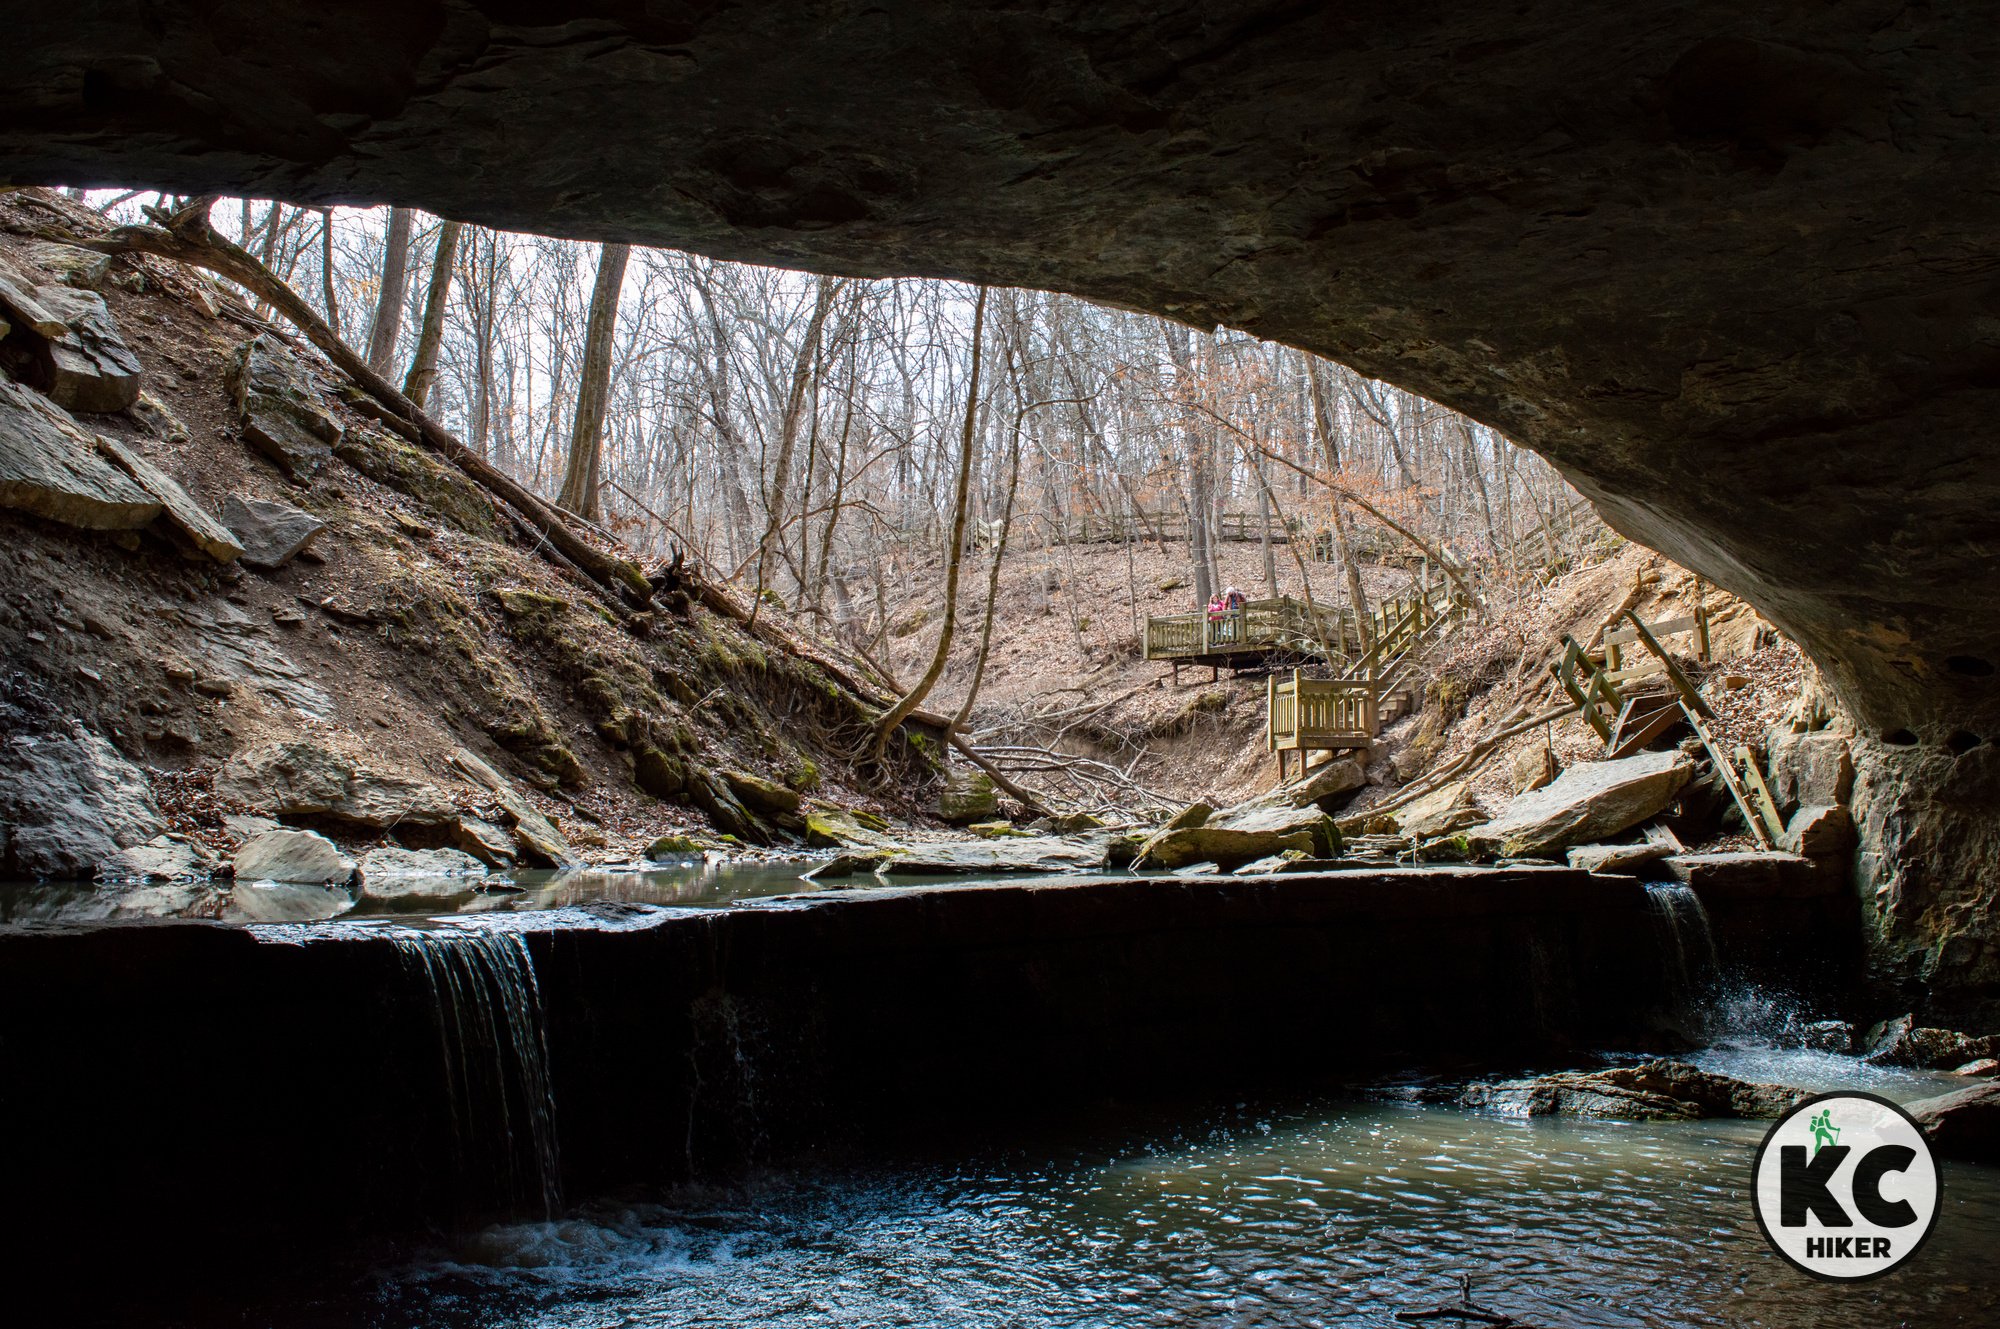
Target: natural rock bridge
{"points": [[1731, 267]]}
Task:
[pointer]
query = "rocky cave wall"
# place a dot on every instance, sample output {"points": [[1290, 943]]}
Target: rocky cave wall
{"points": [[1730, 266]]}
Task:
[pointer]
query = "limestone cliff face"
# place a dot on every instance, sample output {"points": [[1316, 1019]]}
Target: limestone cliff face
{"points": [[1728, 265]]}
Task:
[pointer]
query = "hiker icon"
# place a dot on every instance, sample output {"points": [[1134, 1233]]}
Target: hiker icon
{"points": [[1824, 1132]]}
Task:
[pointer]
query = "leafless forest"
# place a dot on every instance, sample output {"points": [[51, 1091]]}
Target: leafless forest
{"points": [[797, 433]]}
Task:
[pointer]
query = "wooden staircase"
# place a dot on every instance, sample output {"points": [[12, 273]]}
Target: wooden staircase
{"points": [[1345, 713]]}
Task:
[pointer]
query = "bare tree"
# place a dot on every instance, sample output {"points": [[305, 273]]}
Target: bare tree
{"points": [[580, 481], [388, 322], [423, 366], [954, 548]]}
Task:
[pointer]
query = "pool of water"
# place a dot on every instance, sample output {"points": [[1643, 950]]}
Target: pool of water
{"points": [[1332, 1212]]}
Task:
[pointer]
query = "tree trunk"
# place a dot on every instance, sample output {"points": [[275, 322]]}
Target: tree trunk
{"points": [[796, 405], [326, 269], [954, 550], [586, 442], [423, 369], [388, 324], [1343, 544]]}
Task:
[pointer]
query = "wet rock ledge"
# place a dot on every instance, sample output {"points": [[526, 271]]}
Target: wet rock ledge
{"points": [[220, 1086]]}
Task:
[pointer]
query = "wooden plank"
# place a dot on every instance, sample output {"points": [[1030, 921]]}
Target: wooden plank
{"points": [[1760, 793], [1692, 698]]}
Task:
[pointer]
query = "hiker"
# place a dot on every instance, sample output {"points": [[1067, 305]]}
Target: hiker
{"points": [[1225, 614]]}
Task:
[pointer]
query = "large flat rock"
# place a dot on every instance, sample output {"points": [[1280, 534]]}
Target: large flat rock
{"points": [[1590, 801]]}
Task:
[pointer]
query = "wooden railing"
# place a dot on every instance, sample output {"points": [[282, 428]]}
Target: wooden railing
{"points": [[1308, 714], [1258, 627]]}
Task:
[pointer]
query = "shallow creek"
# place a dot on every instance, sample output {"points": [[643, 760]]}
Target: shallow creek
{"points": [[1313, 1213]]}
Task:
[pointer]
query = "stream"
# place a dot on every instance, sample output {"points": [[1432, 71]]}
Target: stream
{"points": [[1335, 1211]]}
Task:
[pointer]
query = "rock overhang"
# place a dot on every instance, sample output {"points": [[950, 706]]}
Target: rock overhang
{"points": [[1728, 268]]}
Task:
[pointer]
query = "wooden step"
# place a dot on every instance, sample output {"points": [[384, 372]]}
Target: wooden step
{"points": [[1642, 720]]}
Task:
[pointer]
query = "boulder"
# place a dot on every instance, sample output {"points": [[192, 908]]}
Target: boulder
{"points": [[669, 847], [994, 830], [284, 902], [1829, 1036], [389, 875], [1963, 1124], [1903, 1042], [1237, 836], [270, 534], [383, 799], [176, 506], [89, 367], [1194, 814], [1656, 1091], [20, 298], [287, 778], [1014, 854], [69, 802], [1071, 823], [1325, 787], [968, 796], [1447, 808], [300, 857], [159, 419], [1533, 767], [486, 842], [302, 778], [1815, 768], [1292, 860], [1588, 802], [761, 795], [282, 414], [162, 858], [1610, 858], [1983, 1068], [1820, 830], [842, 828], [51, 468]]}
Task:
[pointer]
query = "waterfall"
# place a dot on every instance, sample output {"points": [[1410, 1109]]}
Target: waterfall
{"points": [[1687, 942], [493, 1039]]}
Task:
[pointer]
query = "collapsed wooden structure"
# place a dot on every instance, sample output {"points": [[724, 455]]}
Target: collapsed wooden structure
{"points": [[1631, 697]]}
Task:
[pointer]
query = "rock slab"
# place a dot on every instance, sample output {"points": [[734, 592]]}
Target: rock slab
{"points": [[1964, 1124], [1656, 1091], [51, 468], [89, 367], [299, 857], [69, 802], [1588, 802], [176, 505], [280, 407]]}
